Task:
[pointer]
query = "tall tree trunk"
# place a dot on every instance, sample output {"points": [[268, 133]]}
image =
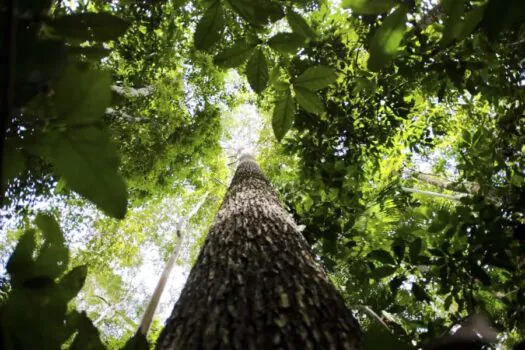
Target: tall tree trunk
{"points": [[255, 284]]}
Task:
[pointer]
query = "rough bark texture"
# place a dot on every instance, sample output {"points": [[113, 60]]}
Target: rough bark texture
{"points": [[255, 284]]}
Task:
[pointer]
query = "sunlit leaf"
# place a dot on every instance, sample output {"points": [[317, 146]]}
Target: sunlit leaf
{"points": [[316, 78]]}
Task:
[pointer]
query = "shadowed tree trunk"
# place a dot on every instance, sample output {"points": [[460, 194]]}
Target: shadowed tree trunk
{"points": [[255, 284]]}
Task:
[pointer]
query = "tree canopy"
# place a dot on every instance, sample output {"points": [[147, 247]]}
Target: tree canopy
{"points": [[393, 130]]}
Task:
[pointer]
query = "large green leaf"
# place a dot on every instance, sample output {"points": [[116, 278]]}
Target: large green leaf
{"points": [[316, 78], [210, 27], [235, 55], [386, 41], [283, 114], [82, 95], [369, 7], [257, 71], [90, 26], [286, 42], [89, 163], [299, 25], [472, 20], [309, 100]]}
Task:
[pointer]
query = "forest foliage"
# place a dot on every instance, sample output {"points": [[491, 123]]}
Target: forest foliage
{"points": [[393, 131]]}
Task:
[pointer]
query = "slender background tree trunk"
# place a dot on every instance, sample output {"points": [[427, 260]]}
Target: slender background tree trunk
{"points": [[255, 284]]}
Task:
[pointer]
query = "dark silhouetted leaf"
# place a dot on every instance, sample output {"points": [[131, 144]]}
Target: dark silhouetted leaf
{"points": [[87, 336], [137, 342], [382, 271], [100, 26], [415, 249], [20, 261], [382, 256], [72, 282], [420, 293]]}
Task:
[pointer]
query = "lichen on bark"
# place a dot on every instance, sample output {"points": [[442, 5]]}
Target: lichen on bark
{"points": [[256, 284]]}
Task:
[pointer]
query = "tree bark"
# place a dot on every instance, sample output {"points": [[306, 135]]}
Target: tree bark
{"points": [[256, 284]]}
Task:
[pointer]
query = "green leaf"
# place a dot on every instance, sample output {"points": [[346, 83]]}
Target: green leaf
{"points": [[73, 282], [235, 55], [309, 100], [316, 78], [471, 22], [257, 71], [82, 95], [382, 271], [386, 41], [453, 23], [382, 256], [415, 249], [210, 27], [22, 258], [89, 163], [100, 26], [369, 7], [299, 25], [283, 114], [286, 42]]}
